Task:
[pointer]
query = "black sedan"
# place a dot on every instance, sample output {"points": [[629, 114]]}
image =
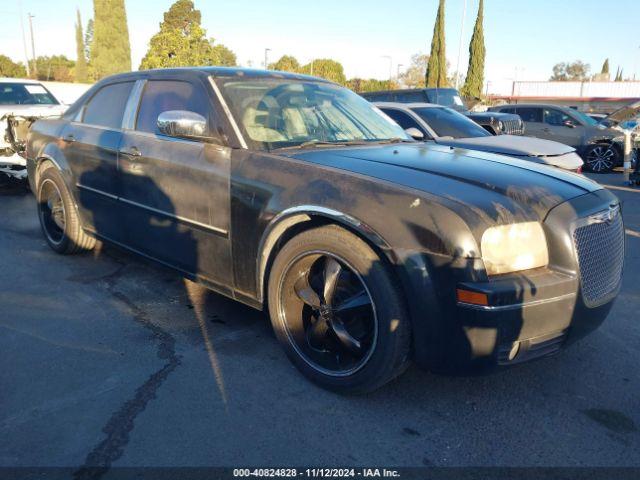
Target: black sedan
{"points": [[292, 194]]}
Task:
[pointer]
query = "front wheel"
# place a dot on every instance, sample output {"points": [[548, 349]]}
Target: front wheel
{"points": [[601, 158], [338, 312]]}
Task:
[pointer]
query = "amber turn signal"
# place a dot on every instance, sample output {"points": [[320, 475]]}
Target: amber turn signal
{"points": [[475, 298]]}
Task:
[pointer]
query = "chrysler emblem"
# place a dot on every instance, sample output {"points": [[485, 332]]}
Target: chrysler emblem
{"points": [[607, 216]]}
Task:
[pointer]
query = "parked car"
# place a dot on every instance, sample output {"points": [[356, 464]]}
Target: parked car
{"points": [[21, 102], [369, 249], [600, 147], [445, 126], [492, 122]]}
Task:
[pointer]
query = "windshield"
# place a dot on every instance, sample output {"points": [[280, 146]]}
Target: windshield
{"points": [[584, 118], [449, 123], [25, 94], [276, 113], [447, 97]]}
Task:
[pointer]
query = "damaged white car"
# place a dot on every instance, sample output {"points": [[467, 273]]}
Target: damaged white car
{"points": [[22, 102]]}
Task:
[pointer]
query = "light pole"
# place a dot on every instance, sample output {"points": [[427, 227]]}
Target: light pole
{"points": [[266, 58], [24, 39], [464, 12], [390, 65], [398, 71], [33, 45]]}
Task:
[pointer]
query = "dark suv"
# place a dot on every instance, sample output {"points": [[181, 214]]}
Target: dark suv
{"points": [[600, 147], [494, 123]]}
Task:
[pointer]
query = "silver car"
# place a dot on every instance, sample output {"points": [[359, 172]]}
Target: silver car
{"points": [[445, 126]]}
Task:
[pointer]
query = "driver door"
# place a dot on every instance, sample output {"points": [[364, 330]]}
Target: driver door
{"points": [[175, 191]]}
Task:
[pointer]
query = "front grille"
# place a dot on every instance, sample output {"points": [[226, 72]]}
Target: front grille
{"points": [[600, 248], [513, 127]]}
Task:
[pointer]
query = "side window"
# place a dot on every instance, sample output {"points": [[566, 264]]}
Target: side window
{"points": [[106, 108], [555, 117], [163, 95], [402, 119], [529, 114], [507, 110]]}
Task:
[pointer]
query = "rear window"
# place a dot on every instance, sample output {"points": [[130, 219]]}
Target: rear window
{"points": [[410, 97], [106, 108], [25, 94], [446, 122]]}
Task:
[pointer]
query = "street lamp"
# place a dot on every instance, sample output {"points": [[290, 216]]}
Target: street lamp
{"points": [[398, 71], [464, 12], [266, 58]]}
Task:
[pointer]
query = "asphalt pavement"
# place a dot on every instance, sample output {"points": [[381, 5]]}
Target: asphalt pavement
{"points": [[107, 359]]}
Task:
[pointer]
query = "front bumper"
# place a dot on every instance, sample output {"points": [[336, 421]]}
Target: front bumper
{"points": [[528, 315]]}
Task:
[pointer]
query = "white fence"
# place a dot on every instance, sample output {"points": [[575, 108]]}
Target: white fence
{"points": [[577, 89]]}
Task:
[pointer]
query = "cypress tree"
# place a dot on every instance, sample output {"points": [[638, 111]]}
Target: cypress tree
{"points": [[437, 66], [110, 49], [605, 67], [475, 73], [81, 61], [182, 41]]}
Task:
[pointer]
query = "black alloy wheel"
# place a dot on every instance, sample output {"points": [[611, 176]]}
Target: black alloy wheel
{"points": [[328, 313]]}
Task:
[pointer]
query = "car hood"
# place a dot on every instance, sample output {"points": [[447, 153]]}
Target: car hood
{"points": [[482, 188], [625, 113], [33, 110], [509, 145]]}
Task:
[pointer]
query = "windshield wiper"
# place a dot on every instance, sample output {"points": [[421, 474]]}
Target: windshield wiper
{"points": [[394, 140], [323, 143]]}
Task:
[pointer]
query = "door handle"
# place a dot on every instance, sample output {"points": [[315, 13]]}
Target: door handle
{"points": [[131, 152], [69, 138]]}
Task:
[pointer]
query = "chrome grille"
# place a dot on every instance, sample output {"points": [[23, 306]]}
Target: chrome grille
{"points": [[512, 127], [600, 248]]}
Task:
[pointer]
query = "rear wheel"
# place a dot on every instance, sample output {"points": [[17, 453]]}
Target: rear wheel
{"points": [[337, 311], [601, 158], [58, 216]]}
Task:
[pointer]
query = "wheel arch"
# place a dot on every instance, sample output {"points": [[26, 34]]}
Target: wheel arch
{"points": [[293, 221]]}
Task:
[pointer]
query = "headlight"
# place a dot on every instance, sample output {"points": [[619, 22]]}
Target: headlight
{"points": [[618, 139], [515, 247], [500, 125]]}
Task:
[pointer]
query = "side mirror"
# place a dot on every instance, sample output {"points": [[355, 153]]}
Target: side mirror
{"points": [[569, 123], [414, 133], [183, 124]]}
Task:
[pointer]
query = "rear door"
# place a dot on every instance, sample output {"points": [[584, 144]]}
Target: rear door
{"points": [[175, 192], [90, 143]]}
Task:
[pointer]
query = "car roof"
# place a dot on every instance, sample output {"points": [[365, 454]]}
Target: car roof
{"points": [[26, 81], [406, 106], [218, 72]]}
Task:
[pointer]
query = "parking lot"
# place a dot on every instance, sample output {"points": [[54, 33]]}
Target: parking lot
{"points": [[108, 360]]}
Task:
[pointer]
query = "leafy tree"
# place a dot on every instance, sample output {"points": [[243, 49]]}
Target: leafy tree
{"points": [[182, 41], [110, 49], [223, 56], [619, 75], [326, 68], [605, 67], [577, 71], [9, 68], [57, 68], [475, 73], [415, 75], [370, 85], [437, 65], [287, 63], [81, 72]]}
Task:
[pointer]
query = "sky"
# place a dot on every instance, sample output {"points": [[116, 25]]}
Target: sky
{"points": [[524, 38]]}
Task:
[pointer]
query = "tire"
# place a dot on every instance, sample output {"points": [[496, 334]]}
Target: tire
{"points": [[601, 158], [353, 336], [58, 216]]}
